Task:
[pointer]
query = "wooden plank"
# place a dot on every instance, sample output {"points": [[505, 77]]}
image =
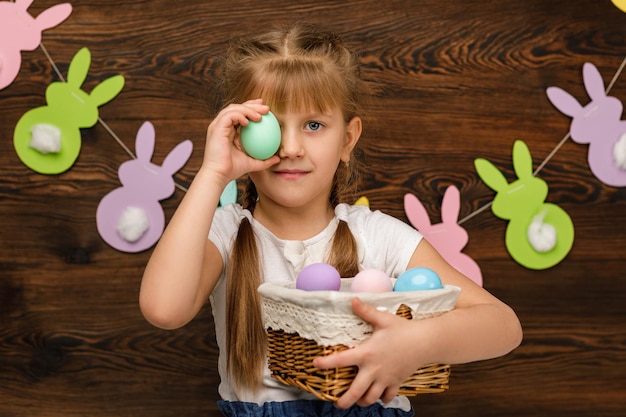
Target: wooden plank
{"points": [[450, 81]]}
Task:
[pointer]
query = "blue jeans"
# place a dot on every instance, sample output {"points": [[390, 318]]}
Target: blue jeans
{"points": [[305, 408]]}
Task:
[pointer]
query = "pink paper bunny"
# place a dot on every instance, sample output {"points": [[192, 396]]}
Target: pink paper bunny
{"points": [[19, 31], [144, 184], [599, 124], [448, 237]]}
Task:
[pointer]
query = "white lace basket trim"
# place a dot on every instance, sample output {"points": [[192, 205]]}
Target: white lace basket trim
{"points": [[327, 318]]}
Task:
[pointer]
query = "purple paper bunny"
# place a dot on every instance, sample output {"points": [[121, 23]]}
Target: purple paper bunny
{"points": [[19, 31], [599, 124], [130, 218]]}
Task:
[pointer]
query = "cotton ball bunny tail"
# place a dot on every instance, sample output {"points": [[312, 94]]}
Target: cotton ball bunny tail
{"points": [[542, 236], [619, 152], [133, 224], [45, 138]]}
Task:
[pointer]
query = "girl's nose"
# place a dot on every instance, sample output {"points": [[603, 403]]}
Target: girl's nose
{"points": [[290, 144]]}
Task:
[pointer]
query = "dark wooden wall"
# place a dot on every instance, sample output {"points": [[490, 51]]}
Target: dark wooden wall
{"points": [[452, 81]]}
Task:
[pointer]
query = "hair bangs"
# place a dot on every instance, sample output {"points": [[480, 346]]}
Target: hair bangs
{"points": [[305, 85]]}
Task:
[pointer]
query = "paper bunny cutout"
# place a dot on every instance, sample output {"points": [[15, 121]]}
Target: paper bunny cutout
{"points": [[620, 4], [599, 124], [539, 235], [229, 195], [19, 31], [447, 237], [144, 184], [68, 109]]}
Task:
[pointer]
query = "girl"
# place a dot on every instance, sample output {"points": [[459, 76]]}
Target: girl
{"points": [[291, 217]]}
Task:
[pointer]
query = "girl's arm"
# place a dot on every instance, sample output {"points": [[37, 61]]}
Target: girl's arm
{"points": [[480, 327], [185, 265]]}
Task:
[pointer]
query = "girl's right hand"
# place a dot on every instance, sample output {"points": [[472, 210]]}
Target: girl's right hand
{"points": [[223, 154]]}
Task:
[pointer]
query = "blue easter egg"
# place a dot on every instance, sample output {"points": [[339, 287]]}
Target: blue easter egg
{"points": [[416, 279]]}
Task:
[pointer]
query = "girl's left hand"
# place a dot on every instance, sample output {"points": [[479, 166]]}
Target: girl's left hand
{"points": [[384, 359]]}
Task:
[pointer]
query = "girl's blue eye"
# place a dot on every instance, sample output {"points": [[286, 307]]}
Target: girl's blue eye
{"points": [[314, 126]]}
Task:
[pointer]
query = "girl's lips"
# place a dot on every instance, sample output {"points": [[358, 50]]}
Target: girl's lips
{"points": [[291, 174]]}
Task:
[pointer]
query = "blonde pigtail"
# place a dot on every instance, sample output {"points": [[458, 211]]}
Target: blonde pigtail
{"points": [[343, 253], [245, 333]]}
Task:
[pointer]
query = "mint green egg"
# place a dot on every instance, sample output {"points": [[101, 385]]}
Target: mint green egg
{"points": [[261, 139]]}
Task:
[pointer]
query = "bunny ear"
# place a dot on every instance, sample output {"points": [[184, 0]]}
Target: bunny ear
{"points": [[106, 90], [364, 201], [563, 101], [24, 4], [229, 195], [178, 157], [79, 67], [522, 160], [451, 205], [490, 175], [53, 16], [144, 142], [416, 213], [593, 81]]}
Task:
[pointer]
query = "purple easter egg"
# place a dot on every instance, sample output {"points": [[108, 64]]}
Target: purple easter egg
{"points": [[318, 277]]}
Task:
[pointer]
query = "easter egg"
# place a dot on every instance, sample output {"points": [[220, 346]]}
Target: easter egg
{"points": [[261, 139], [318, 277], [371, 280], [416, 279]]}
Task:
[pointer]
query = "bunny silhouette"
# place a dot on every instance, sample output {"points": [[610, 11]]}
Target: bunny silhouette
{"points": [[144, 184], [447, 237], [68, 109], [362, 201], [19, 31], [620, 4], [229, 195], [599, 124], [539, 235]]}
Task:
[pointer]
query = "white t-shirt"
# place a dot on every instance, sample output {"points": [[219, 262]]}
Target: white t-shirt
{"points": [[384, 243]]}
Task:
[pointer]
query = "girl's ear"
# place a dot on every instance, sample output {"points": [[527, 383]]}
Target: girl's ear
{"points": [[353, 133]]}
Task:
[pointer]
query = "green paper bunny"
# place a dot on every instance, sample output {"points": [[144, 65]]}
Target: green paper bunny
{"points": [[539, 234], [68, 110]]}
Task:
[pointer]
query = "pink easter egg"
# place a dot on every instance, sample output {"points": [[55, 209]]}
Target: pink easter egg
{"points": [[371, 280], [318, 277]]}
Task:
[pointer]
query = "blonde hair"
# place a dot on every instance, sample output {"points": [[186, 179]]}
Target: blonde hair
{"points": [[299, 67]]}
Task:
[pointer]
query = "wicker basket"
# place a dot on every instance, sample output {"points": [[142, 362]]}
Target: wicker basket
{"points": [[290, 355]]}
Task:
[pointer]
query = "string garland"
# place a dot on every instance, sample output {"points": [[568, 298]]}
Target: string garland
{"points": [[481, 209], [463, 220], [100, 120], [554, 151]]}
